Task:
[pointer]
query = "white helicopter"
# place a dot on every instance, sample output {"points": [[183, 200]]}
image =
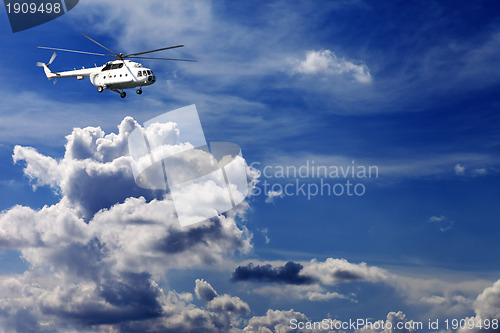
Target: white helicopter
{"points": [[115, 75]]}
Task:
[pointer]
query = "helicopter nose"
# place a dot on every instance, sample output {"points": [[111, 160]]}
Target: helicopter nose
{"points": [[151, 78]]}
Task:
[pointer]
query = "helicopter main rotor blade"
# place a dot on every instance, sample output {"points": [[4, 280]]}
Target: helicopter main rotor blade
{"points": [[52, 58], [116, 54], [164, 48], [75, 51], [162, 59]]}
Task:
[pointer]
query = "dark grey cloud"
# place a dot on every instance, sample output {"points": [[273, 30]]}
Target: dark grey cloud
{"points": [[121, 297], [25, 321], [345, 275], [179, 240], [80, 259], [289, 273], [93, 191]]}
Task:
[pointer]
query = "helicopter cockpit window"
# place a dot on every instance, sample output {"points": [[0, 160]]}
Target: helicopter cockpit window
{"points": [[112, 66], [149, 72], [139, 73], [144, 73]]}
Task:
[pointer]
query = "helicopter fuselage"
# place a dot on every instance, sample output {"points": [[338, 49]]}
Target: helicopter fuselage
{"points": [[114, 75], [122, 74]]}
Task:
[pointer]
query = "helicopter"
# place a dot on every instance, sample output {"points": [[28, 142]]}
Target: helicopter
{"points": [[116, 75]]}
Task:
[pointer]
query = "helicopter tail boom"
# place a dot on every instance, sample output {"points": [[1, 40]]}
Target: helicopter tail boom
{"points": [[48, 72], [78, 73]]}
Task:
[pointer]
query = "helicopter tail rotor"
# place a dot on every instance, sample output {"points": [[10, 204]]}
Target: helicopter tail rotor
{"points": [[41, 64], [46, 69]]}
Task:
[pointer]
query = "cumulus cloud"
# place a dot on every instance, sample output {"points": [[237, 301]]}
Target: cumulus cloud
{"points": [[395, 319], [290, 321], [330, 272], [328, 280], [228, 304], [228, 308], [95, 172], [96, 256], [326, 62], [204, 290], [334, 271], [41, 170], [311, 280], [487, 304], [274, 321], [486, 308]]}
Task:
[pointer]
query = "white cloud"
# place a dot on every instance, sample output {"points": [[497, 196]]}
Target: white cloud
{"points": [[437, 218], [42, 170], [138, 232], [395, 319], [272, 195], [265, 233], [441, 297], [487, 304], [274, 321], [228, 304], [311, 292], [444, 223], [327, 63], [95, 256], [487, 309], [479, 172], [317, 296], [333, 271], [459, 170], [204, 290], [328, 280]]}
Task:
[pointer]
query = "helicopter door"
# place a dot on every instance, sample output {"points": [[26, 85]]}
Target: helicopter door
{"points": [[97, 79]]}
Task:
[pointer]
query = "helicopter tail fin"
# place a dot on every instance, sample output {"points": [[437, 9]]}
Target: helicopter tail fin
{"points": [[46, 69]]}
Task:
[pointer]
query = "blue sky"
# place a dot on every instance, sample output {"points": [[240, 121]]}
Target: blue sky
{"points": [[409, 87]]}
